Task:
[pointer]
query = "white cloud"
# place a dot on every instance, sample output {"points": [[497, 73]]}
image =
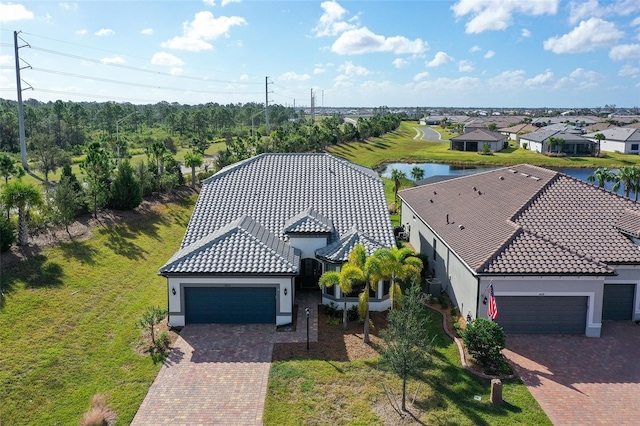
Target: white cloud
{"points": [[293, 76], [490, 54], [362, 40], [400, 63], [69, 6], [81, 32], [525, 33], [227, 2], [319, 70], [475, 48], [629, 70], [498, 15], [332, 22], [441, 58], [6, 60], [209, 2], [635, 22], [349, 70], [580, 10], [465, 66], [625, 51], [587, 36], [147, 31], [113, 60], [508, 80], [579, 79], [540, 79], [176, 71], [166, 59], [203, 28], [11, 12], [104, 32], [421, 76]]}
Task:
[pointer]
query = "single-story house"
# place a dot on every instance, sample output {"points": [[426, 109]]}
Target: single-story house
{"points": [[475, 140], [562, 255], [514, 132], [618, 139], [268, 226], [574, 144]]}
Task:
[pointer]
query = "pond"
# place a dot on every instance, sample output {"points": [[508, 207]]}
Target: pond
{"points": [[434, 169]]}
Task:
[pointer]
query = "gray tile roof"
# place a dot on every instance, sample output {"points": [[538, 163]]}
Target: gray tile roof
{"points": [[496, 216], [241, 246], [273, 189], [480, 135], [338, 252], [623, 134], [309, 221]]}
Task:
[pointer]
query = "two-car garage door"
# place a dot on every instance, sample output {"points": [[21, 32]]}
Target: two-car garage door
{"points": [[542, 314], [230, 305]]}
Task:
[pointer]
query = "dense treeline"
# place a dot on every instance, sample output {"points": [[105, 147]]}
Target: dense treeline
{"points": [[101, 138]]}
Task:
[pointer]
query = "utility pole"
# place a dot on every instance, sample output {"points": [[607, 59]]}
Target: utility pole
{"points": [[266, 104], [313, 104], [23, 138], [118, 134]]}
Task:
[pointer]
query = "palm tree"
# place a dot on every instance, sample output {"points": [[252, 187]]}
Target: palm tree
{"points": [[599, 137], [396, 177], [23, 196], [370, 267], [601, 175], [345, 279], [417, 173], [626, 175], [398, 264], [193, 159]]}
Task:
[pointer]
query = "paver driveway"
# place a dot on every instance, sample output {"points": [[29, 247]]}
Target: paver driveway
{"points": [[579, 380], [218, 374]]}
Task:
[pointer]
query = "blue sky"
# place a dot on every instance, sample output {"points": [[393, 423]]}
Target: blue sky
{"points": [[467, 53]]}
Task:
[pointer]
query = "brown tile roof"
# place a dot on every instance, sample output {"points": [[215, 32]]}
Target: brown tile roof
{"points": [[629, 223], [495, 217], [522, 127]]}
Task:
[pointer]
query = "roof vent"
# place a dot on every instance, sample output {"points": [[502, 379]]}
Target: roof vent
{"points": [[524, 174], [536, 178], [501, 178], [430, 200], [479, 193], [474, 189], [435, 193], [512, 171], [461, 227]]}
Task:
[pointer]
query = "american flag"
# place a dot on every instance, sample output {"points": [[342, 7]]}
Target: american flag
{"points": [[492, 310]]}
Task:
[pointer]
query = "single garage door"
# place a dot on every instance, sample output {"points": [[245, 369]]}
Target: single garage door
{"points": [[617, 302], [542, 314], [230, 305]]}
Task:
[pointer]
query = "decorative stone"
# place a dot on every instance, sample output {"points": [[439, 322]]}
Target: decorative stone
{"points": [[496, 392]]}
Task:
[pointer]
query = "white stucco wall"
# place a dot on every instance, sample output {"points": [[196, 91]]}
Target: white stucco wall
{"points": [[308, 245], [284, 304], [613, 146]]}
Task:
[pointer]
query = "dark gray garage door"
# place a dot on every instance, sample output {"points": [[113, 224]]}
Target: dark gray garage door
{"points": [[617, 302], [542, 314], [230, 305]]}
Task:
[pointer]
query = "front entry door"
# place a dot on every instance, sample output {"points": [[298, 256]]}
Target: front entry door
{"points": [[310, 273]]}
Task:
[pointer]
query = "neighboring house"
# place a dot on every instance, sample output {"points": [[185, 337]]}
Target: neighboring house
{"points": [[580, 120], [514, 132], [625, 140], [574, 144], [268, 226], [475, 140], [563, 255], [433, 120]]}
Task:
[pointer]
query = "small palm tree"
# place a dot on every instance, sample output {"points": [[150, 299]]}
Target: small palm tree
{"points": [[348, 276], [601, 175], [417, 173], [396, 177], [193, 159], [22, 196], [599, 137], [370, 267], [398, 264]]}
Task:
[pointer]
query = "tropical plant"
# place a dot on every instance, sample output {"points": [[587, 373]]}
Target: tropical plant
{"points": [[7, 235], [67, 201], [626, 176], [417, 173], [348, 276], [396, 265], [397, 176], [370, 267], [22, 196], [484, 340], [601, 175], [407, 344], [193, 159], [599, 137]]}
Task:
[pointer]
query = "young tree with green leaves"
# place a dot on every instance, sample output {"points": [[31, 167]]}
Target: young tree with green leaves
{"points": [[150, 318], [9, 167], [97, 167], [407, 344], [46, 154], [126, 192], [348, 276], [67, 202], [22, 196], [398, 264]]}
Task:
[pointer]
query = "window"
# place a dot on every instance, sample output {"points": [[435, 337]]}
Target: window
{"points": [[386, 285], [634, 146], [357, 289]]}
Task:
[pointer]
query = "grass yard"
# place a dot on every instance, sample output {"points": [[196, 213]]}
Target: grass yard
{"points": [[338, 392], [67, 322], [400, 146]]}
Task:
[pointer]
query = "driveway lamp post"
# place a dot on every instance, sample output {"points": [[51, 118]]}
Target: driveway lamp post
{"points": [[306, 310]]}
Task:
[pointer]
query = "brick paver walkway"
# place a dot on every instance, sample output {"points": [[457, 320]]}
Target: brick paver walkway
{"points": [[579, 380], [218, 374]]}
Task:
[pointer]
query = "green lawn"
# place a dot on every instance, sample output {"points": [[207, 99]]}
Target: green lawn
{"points": [[350, 393], [67, 322], [400, 146]]}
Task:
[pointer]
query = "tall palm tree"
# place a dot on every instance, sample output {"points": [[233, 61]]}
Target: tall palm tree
{"points": [[22, 196], [417, 173], [193, 159], [370, 267], [626, 176], [396, 177], [599, 137], [398, 264], [601, 175], [348, 276]]}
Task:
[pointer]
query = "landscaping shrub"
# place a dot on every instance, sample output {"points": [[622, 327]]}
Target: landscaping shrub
{"points": [[162, 342], [99, 414], [484, 340], [7, 235]]}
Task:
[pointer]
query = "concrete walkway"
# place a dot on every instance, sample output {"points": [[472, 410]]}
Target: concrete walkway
{"points": [[218, 374], [579, 380]]}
